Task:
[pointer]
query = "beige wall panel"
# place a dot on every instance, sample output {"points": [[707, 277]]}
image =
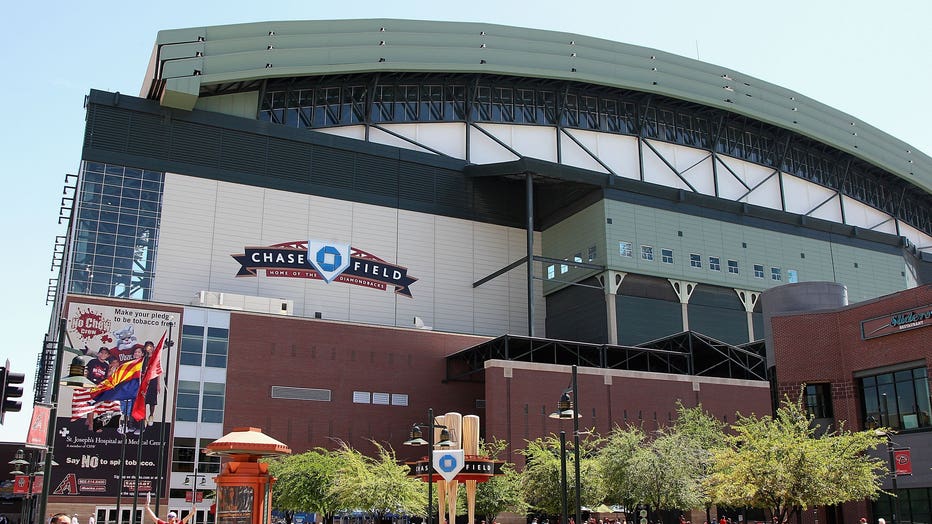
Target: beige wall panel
{"points": [[621, 154], [416, 252], [656, 171], [916, 237], [573, 155], [490, 253], [863, 215], [184, 244], [802, 196], [531, 141], [454, 307], [357, 132], [731, 170], [447, 137], [484, 150], [767, 194]]}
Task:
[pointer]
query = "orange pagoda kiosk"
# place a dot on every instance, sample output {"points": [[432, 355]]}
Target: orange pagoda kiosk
{"points": [[244, 486]]}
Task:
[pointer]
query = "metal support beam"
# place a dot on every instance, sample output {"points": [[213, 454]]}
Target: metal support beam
{"points": [[529, 201]]}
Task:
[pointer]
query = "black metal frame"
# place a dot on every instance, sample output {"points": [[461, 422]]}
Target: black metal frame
{"points": [[647, 116], [686, 353]]}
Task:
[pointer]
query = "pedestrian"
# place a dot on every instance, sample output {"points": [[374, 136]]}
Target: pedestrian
{"points": [[74, 519], [862, 521], [60, 518], [881, 521], [172, 516]]}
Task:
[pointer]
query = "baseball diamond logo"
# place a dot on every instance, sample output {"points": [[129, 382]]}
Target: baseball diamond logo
{"points": [[327, 261]]}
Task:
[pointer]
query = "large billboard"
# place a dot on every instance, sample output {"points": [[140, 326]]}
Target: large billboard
{"points": [[112, 429]]}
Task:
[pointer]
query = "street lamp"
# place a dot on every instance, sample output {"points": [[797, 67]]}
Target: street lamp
{"points": [[891, 452], [566, 409], [26, 467], [416, 439]]}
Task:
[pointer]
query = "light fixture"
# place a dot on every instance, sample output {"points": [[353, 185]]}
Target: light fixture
{"points": [[565, 408], [19, 458], [76, 378], [17, 472], [445, 441], [416, 437]]}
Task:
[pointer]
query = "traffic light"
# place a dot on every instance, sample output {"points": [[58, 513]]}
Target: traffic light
{"points": [[10, 391]]}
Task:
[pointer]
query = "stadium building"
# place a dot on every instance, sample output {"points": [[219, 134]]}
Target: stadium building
{"points": [[340, 224]]}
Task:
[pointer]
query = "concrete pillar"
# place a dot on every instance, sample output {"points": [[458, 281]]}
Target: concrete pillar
{"points": [[683, 289], [749, 300], [611, 282]]}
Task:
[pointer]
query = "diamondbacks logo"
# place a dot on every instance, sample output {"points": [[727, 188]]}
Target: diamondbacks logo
{"points": [[327, 261]]}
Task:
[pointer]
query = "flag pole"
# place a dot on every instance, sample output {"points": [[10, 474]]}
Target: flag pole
{"points": [[164, 380], [122, 467]]}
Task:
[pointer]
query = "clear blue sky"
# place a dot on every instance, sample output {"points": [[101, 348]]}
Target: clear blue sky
{"points": [[870, 59]]}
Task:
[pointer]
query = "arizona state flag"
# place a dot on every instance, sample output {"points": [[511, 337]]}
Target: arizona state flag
{"points": [[122, 384], [153, 370]]}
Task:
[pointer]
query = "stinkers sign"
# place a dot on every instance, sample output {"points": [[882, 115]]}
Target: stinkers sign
{"points": [[897, 322], [325, 261]]}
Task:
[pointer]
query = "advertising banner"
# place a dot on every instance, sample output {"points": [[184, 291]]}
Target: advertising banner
{"points": [[903, 461], [122, 356], [38, 426]]}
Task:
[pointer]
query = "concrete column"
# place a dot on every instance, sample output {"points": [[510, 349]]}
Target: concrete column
{"points": [[749, 300], [611, 282], [683, 289]]}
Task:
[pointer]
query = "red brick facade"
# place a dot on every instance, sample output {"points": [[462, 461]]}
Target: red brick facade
{"points": [[828, 347]]}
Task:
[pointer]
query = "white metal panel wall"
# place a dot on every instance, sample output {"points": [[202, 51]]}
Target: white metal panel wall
{"points": [[731, 178], [863, 215], [447, 137], [188, 218], [446, 255]]}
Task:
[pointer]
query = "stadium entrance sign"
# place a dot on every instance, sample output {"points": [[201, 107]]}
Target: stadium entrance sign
{"points": [[325, 261]]}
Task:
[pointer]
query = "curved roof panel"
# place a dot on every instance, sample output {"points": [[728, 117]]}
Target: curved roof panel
{"points": [[184, 60]]}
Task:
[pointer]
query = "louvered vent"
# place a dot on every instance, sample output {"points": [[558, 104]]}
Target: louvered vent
{"points": [[290, 393]]}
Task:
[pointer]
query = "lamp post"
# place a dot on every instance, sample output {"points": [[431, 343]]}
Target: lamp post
{"points": [[22, 466], [892, 456], [416, 439], [569, 408], [563, 476]]}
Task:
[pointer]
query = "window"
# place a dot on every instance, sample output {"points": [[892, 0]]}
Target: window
{"points": [[624, 249], [592, 253], [188, 393], [647, 253], [577, 258], [791, 276], [819, 400], [551, 271], [184, 452], [695, 260], [715, 264], [758, 271], [192, 345], [217, 340], [775, 273], [897, 399], [116, 228], [666, 256], [212, 408], [564, 268], [733, 267]]}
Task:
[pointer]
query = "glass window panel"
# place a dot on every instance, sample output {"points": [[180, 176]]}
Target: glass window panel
{"points": [[212, 416], [186, 414]]}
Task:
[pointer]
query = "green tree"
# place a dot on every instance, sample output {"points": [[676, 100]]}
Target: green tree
{"points": [[377, 485], [501, 492], [665, 469], [304, 483], [780, 464], [617, 457], [540, 480]]}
